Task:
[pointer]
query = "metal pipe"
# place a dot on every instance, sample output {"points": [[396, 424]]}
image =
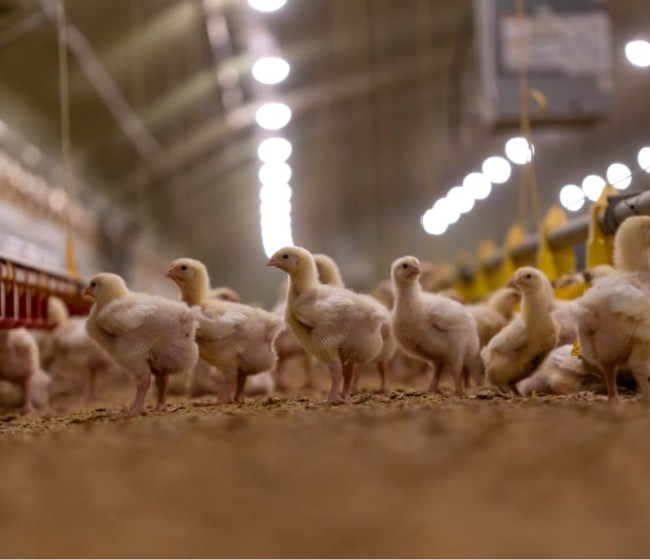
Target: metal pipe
{"points": [[619, 208]]}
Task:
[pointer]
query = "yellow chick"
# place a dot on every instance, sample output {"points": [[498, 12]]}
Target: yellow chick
{"points": [[329, 274], [235, 338], [614, 315], [521, 347], [147, 335], [433, 328], [224, 293], [334, 324]]}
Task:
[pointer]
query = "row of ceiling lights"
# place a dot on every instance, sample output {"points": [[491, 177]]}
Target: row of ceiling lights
{"points": [[477, 186], [273, 152]]}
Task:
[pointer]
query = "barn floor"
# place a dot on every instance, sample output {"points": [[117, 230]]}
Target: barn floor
{"points": [[403, 474]]}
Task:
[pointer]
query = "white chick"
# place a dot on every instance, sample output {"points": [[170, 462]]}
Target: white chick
{"points": [[329, 274], [521, 347], [433, 328], [287, 346], [235, 338], [561, 373], [147, 335], [494, 314], [614, 315], [339, 327], [19, 362], [75, 351]]}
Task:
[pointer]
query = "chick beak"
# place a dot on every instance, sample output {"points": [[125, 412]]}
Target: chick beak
{"points": [[170, 273], [513, 282], [86, 292], [273, 261]]}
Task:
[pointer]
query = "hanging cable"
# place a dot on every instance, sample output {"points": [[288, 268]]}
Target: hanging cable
{"points": [[528, 177], [64, 94]]}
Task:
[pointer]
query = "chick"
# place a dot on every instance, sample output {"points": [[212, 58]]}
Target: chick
{"points": [[235, 338], [224, 293], [614, 315], [494, 314], [505, 301], [433, 328], [521, 347], [383, 293], [287, 346], [19, 363], [147, 335], [74, 351], [328, 270], [334, 324], [561, 373], [329, 274]]}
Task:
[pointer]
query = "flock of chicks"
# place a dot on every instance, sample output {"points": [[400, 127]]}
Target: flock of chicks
{"points": [[533, 350]]}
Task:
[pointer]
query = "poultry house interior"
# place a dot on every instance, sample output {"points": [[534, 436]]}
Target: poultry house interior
{"points": [[324, 278]]}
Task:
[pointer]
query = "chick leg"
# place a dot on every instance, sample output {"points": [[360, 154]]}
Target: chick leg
{"points": [[348, 380], [89, 385], [335, 397], [142, 383], [161, 385], [382, 367], [280, 384], [435, 380], [227, 389], [27, 407], [308, 365], [241, 385], [457, 374], [609, 374], [640, 373]]}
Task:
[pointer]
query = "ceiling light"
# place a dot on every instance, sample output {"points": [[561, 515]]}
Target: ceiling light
{"points": [[461, 199], [497, 169], [266, 5], [619, 176], [638, 53], [274, 149], [273, 116], [270, 70], [478, 185], [280, 191], [519, 151], [644, 159], [572, 198], [432, 223], [592, 187], [275, 173]]}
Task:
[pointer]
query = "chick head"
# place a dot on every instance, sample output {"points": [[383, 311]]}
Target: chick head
{"points": [[505, 300], [328, 270], [529, 280], [225, 294], [184, 271], [632, 244], [406, 270], [293, 260], [105, 287]]}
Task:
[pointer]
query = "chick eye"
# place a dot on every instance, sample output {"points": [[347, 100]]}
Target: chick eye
{"points": [[529, 275], [93, 284], [405, 266], [285, 256], [184, 267]]}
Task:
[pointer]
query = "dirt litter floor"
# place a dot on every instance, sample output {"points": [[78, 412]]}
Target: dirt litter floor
{"points": [[402, 474]]}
